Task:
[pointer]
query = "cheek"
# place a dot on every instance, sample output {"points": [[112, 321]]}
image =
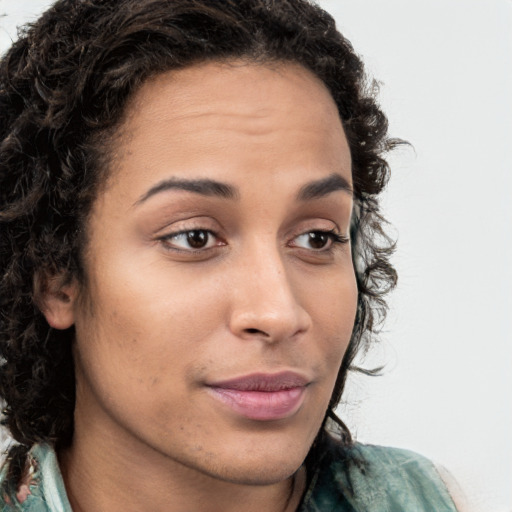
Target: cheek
{"points": [[142, 320], [332, 302], [334, 309]]}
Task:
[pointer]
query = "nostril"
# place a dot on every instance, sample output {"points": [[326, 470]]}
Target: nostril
{"points": [[255, 331]]}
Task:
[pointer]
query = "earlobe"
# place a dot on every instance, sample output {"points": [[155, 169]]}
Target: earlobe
{"points": [[57, 301]]}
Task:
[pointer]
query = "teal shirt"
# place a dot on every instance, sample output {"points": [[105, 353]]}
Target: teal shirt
{"points": [[383, 480], [367, 479]]}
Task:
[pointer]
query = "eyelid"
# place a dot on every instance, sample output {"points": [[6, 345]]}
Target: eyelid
{"points": [[314, 222], [184, 224]]}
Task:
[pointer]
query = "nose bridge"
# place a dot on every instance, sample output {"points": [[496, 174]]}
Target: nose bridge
{"points": [[265, 302]]}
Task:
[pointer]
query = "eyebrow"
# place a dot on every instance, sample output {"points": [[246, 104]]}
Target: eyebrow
{"points": [[323, 187], [208, 187], [203, 187]]}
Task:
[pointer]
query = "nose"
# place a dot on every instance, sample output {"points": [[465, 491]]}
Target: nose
{"points": [[265, 304]]}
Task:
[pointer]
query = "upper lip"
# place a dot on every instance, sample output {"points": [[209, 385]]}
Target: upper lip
{"points": [[263, 382]]}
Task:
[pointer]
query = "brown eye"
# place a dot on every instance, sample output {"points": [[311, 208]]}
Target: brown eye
{"points": [[318, 239], [315, 240], [197, 239], [191, 240]]}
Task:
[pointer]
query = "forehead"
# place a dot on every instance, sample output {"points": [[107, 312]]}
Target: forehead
{"points": [[231, 116], [242, 88]]}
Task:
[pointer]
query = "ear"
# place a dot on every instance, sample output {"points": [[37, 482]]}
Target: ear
{"points": [[56, 299]]}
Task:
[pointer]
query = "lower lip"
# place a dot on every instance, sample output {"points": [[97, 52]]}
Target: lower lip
{"points": [[262, 405]]}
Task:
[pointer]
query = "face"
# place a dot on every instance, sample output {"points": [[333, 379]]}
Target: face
{"points": [[220, 294]]}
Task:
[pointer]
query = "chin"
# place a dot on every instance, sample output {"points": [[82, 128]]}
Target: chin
{"points": [[258, 472], [264, 465]]}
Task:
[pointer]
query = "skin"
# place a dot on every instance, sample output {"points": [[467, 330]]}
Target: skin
{"points": [[158, 322]]}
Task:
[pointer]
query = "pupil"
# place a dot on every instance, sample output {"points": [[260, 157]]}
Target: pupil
{"points": [[197, 239], [317, 240]]}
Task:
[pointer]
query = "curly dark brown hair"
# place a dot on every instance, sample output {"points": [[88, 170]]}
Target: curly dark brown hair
{"points": [[64, 85]]}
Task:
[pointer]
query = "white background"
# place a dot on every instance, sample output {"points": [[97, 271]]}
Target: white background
{"points": [[446, 73]]}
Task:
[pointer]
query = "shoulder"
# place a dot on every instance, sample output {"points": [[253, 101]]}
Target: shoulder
{"points": [[455, 490], [395, 461], [420, 471], [41, 488], [375, 478]]}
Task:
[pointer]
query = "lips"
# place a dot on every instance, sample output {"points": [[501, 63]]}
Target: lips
{"points": [[263, 397]]}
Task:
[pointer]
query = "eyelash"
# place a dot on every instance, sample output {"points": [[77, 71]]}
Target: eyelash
{"points": [[335, 239]]}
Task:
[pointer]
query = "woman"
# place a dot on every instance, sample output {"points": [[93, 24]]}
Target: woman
{"points": [[192, 255]]}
